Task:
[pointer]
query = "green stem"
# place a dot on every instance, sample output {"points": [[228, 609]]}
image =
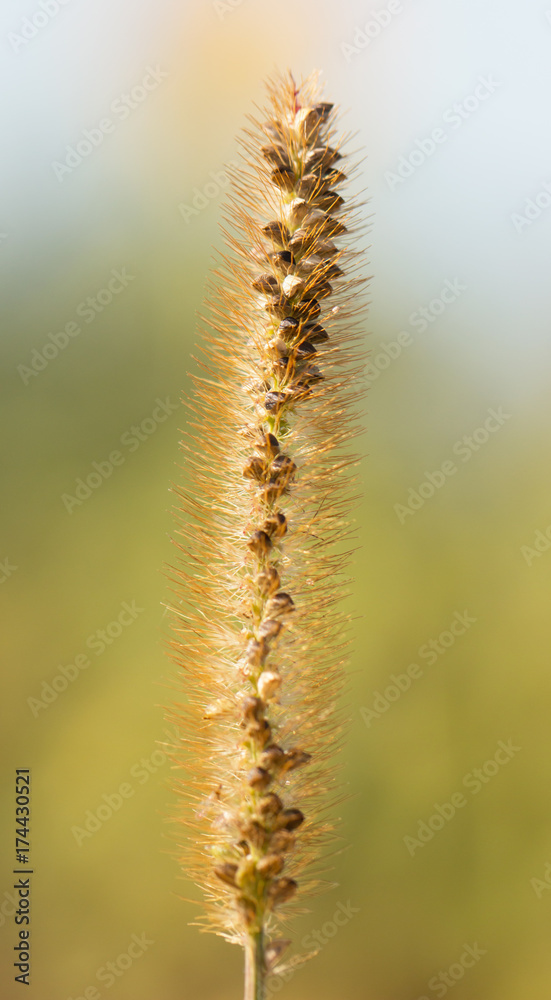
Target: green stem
{"points": [[255, 969]]}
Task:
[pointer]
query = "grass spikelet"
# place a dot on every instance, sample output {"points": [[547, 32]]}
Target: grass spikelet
{"points": [[264, 530]]}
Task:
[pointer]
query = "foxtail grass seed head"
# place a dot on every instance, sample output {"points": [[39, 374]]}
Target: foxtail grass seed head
{"points": [[263, 529]]}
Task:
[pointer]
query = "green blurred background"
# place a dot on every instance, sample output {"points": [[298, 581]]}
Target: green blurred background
{"points": [[470, 548]]}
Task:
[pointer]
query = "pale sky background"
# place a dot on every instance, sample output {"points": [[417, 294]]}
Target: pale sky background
{"points": [[449, 224]]}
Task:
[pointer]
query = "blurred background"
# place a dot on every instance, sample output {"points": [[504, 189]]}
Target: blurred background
{"points": [[117, 119]]}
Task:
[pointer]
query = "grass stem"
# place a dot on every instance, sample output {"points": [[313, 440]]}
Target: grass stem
{"points": [[255, 967]]}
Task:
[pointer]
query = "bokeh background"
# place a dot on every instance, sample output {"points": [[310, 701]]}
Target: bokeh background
{"points": [[474, 213]]}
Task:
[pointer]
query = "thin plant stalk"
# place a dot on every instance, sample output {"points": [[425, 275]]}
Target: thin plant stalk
{"points": [[255, 967]]}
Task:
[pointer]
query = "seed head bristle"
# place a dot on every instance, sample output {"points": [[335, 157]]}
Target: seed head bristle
{"points": [[258, 636]]}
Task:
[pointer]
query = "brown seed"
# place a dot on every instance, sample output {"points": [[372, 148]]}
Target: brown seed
{"points": [[270, 806], [305, 350], [289, 819], [280, 604], [259, 778], [270, 629], [316, 266], [330, 201], [319, 221], [275, 154], [308, 309], [297, 209], [266, 283], [303, 390], [269, 684], [323, 110], [255, 468], [316, 334], [259, 542], [270, 444], [276, 525], [307, 123], [279, 306], [274, 951], [292, 285], [284, 177], [273, 401], [272, 491], [282, 260], [260, 732], [288, 328], [325, 249], [226, 873], [308, 376], [302, 239], [252, 708], [255, 833], [321, 155], [309, 186], [326, 177], [270, 865], [277, 232], [294, 758], [310, 264], [335, 177], [283, 468], [268, 581], [247, 910], [273, 756], [281, 364], [324, 224], [256, 652], [282, 840], [321, 290], [282, 890], [332, 271]]}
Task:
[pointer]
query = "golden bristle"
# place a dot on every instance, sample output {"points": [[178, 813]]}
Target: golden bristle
{"points": [[264, 526]]}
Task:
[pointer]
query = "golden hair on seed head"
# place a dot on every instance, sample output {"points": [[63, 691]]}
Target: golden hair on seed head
{"points": [[263, 527]]}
